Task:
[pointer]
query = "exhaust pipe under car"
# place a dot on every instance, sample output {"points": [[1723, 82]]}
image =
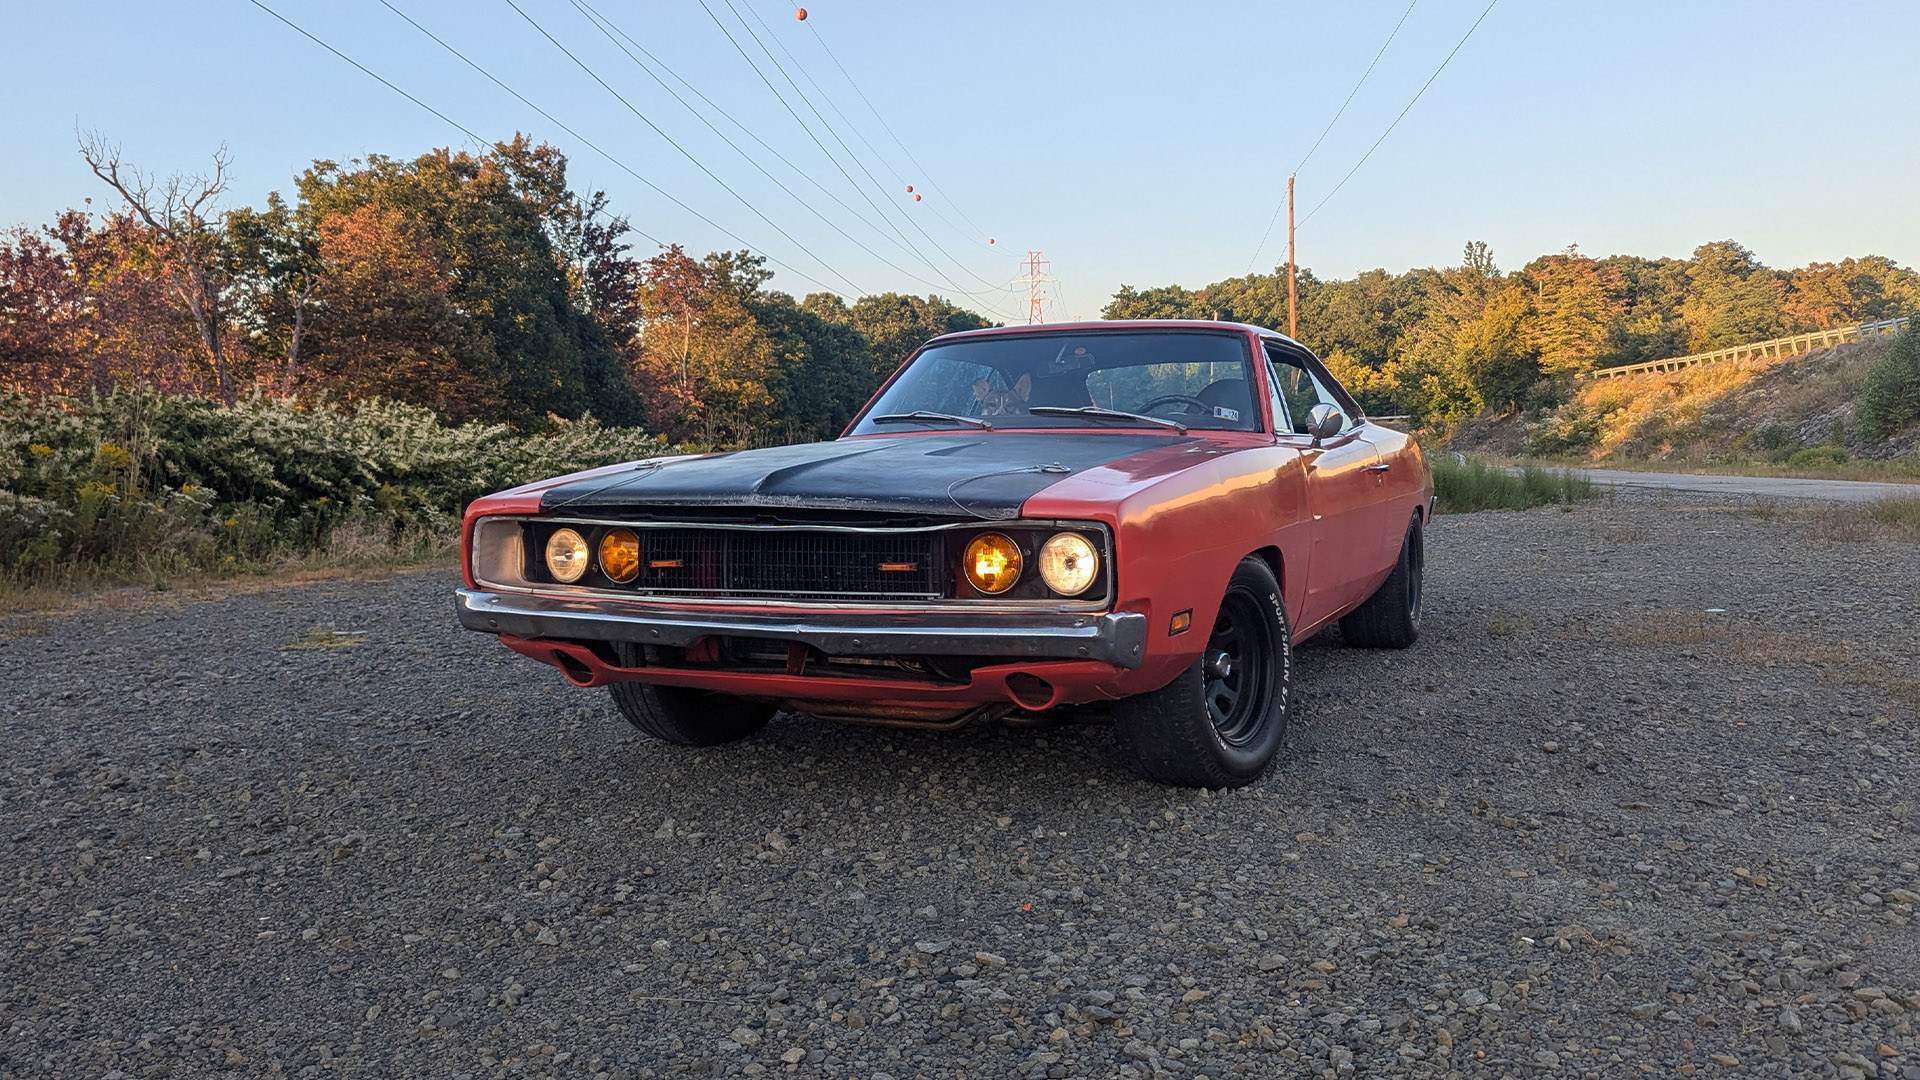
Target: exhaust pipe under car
{"points": [[584, 666]]}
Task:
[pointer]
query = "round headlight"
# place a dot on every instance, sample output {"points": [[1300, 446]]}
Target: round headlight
{"points": [[620, 555], [992, 563], [1068, 564], [566, 556]]}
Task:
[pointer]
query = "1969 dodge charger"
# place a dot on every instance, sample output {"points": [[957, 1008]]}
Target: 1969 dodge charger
{"points": [[1150, 514]]}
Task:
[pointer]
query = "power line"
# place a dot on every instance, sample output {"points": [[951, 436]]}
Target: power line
{"points": [[684, 152], [836, 135], [888, 127], [1324, 131], [931, 207], [1356, 87], [856, 131], [608, 29], [1403, 113], [443, 116], [297, 28], [595, 18], [841, 169], [768, 53]]}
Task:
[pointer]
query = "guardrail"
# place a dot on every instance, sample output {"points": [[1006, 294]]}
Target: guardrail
{"points": [[1776, 349]]}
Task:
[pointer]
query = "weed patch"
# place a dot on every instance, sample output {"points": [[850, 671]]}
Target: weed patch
{"points": [[1508, 625], [1465, 485], [1900, 517], [325, 637]]}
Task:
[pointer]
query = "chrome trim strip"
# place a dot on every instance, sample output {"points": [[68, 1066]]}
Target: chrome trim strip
{"points": [[1039, 523], [1117, 638], [889, 603]]}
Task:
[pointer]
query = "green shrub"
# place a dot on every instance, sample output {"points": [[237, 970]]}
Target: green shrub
{"points": [[1890, 398], [166, 483], [1773, 435], [1814, 457], [1464, 485], [1568, 431]]}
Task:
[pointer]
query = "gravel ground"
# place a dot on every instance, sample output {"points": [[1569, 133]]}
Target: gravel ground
{"points": [[1640, 802]]}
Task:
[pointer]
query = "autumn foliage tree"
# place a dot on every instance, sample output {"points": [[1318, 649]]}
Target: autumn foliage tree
{"points": [[454, 280], [1443, 344], [386, 325]]}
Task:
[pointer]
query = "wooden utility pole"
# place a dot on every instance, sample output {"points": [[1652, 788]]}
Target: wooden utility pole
{"points": [[1293, 316]]}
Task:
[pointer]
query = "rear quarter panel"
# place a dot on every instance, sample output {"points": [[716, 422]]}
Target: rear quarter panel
{"points": [[1409, 480]]}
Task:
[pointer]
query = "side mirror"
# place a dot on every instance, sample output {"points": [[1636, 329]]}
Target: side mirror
{"points": [[1324, 421]]}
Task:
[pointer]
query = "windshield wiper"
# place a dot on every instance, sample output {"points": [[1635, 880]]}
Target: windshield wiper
{"points": [[1097, 413], [926, 414]]}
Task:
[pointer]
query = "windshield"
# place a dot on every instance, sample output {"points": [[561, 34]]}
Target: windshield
{"points": [[1197, 379]]}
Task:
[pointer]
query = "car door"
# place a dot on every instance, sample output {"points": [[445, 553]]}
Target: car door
{"points": [[1343, 492]]}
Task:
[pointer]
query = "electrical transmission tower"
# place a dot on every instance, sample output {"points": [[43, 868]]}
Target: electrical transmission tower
{"points": [[1036, 279]]}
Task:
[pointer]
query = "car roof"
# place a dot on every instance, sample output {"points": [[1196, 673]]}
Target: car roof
{"points": [[1111, 325]]}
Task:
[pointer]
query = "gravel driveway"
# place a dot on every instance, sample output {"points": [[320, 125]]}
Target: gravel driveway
{"points": [[1641, 802]]}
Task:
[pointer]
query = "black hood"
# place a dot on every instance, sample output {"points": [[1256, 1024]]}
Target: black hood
{"points": [[980, 474]]}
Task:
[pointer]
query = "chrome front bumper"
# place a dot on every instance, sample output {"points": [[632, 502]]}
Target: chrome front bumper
{"points": [[1117, 638]]}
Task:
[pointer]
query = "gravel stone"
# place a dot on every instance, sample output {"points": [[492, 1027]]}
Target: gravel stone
{"points": [[426, 856]]}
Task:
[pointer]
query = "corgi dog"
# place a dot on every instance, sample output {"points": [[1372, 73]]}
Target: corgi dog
{"points": [[1002, 402]]}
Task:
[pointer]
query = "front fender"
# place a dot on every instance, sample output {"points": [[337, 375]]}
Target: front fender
{"points": [[1179, 532]]}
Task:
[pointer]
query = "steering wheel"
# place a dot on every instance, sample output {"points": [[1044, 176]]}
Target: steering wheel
{"points": [[1178, 399]]}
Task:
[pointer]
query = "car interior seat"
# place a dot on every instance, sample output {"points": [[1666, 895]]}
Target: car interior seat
{"points": [[1065, 391], [1231, 394]]}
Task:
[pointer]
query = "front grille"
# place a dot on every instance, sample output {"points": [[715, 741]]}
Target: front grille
{"points": [[789, 563]]}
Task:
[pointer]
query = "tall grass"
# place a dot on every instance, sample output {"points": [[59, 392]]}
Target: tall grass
{"points": [[1465, 485], [1898, 516]]}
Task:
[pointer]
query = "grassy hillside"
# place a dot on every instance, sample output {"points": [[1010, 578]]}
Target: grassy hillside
{"points": [[1797, 413]]}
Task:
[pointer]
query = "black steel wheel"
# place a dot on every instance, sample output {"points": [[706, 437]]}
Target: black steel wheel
{"points": [[1390, 619], [1238, 666], [1221, 721]]}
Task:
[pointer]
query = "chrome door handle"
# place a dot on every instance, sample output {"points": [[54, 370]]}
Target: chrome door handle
{"points": [[1378, 468]]}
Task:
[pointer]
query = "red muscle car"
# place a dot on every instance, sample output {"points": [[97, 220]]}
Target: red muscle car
{"points": [[1147, 513]]}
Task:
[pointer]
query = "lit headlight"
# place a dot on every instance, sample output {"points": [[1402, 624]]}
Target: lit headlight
{"points": [[992, 563], [566, 556], [620, 555], [1068, 564]]}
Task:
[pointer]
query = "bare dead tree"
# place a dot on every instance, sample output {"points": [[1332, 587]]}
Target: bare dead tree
{"points": [[298, 295], [181, 211]]}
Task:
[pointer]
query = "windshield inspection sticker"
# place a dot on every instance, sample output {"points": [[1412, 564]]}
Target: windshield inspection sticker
{"points": [[1225, 413]]}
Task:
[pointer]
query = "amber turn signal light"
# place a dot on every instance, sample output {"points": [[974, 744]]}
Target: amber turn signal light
{"points": [[620, 555], [1181, 620], [992, 563]]}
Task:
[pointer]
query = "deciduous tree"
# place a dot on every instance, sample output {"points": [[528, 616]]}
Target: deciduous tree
{"points": [[183, 245]]}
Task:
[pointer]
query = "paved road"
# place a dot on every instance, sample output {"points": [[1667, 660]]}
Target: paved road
{"points": [[1778, 486]]}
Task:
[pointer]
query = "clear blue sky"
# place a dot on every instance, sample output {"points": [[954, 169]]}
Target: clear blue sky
{"points": [[1133, 142]]}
